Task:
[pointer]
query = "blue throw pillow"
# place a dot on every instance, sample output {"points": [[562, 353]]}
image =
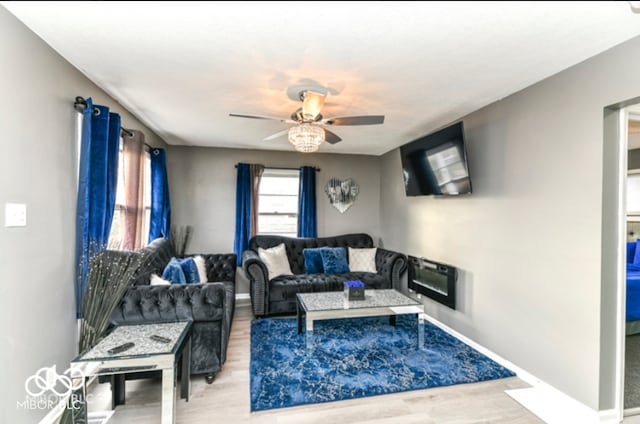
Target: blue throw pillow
{"points": [[173, 272], [631, 251], [313, 260], [636, 257], [190, 270], [334, 260]]}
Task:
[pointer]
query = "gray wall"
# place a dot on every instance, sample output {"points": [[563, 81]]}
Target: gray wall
{"points": [[203, 191], [528, 240], [37, 167]]}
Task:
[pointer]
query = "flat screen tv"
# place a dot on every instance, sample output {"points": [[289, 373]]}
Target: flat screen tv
{"points": [[436, 164]]}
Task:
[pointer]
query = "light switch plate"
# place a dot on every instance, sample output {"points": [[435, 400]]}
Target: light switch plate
{"points": [[15, 215]]}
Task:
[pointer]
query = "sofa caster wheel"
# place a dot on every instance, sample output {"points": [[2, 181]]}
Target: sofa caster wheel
{"points": [[210, 378]]}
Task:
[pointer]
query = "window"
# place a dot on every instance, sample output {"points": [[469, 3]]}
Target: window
{"points": [[116, 235], [278, 203]]}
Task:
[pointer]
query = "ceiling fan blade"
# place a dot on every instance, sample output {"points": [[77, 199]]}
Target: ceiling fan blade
{"points": [[270, 118], [276, 135], [330, 137], [312, 104], [355, 120]]}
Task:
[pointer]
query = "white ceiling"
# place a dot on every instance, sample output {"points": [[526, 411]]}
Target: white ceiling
{"points": [[182, 67]]}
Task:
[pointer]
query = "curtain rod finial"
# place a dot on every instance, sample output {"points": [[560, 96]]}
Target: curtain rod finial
{"points": [[80, 104]]}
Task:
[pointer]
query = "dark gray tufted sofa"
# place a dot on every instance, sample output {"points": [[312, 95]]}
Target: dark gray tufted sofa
{"points": [[209, 305], [278, 296]]}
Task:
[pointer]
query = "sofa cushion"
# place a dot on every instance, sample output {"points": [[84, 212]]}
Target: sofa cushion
{"points": [[362, 260], [285, 287], [276, 260], [334, 260], [313, 260]]}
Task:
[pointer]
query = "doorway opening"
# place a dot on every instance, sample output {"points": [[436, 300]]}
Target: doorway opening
{"points": [[631, 352]]}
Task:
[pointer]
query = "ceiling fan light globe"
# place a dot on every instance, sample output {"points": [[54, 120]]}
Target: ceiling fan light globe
{"points": [[306, 138], [312, 104]]}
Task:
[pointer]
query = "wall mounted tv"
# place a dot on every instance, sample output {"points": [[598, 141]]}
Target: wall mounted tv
{"points": [[436, 163]]}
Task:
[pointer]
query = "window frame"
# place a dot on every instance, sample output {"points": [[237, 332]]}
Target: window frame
{"points": [[278, 173]]}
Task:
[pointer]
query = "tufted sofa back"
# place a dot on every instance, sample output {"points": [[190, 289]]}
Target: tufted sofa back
{"points": [[220, 267], [159, 252], [294, 246]]}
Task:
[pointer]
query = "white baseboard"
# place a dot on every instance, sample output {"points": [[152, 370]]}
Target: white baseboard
{"points": [[243, 296], [610, 416], [555, 407], [99, 417], [545, 401], [632, 412]]}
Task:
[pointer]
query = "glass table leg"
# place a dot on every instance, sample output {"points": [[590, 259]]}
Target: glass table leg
{"points": [[421, 331], [168, 396], [309, 335]]}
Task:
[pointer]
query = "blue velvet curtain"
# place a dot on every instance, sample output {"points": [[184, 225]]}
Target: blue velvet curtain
{"points": [[160, 221], [307, 210], [97, 179], [243, 210]]}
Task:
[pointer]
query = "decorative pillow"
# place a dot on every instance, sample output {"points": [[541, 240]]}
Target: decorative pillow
{"points": [[362, 260], [174, 273], [276, 260], [190, 270], [202, 268], [157, 281], [636, 257], [313, 260], [334, 260]]}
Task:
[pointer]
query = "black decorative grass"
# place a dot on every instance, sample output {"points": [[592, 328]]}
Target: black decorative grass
{"points": [[109, 275], [180, 237]]}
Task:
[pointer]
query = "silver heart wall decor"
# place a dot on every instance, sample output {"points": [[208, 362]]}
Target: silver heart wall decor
{"points": [[341, 194]]}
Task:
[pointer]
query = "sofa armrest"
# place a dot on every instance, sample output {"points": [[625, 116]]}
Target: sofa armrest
{"points": [[229, 289], [258, 276], [391, 265]]}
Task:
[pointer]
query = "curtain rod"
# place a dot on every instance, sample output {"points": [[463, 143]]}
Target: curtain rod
{"points": [[281, 169], [80, 104]]}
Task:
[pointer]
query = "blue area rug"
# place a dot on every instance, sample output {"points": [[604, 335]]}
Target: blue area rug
{"points": [[355, 358]]}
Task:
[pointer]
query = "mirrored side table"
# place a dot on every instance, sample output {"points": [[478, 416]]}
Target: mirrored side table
{"points": [[159, 346]]}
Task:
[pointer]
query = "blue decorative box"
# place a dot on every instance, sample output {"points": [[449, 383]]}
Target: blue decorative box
{"points": [[354, 290]]}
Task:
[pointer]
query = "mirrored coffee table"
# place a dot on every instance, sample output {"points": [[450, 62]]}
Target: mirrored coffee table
{"points": [[146, 352], [311, 307]]}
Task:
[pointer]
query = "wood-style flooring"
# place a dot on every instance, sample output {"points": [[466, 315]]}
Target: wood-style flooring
{"points": [[227, 399]]}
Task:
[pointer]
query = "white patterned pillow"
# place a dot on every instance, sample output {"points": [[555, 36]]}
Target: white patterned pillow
{"points": [[362, 260], [276, 260], [202, 268], [156, 280]]}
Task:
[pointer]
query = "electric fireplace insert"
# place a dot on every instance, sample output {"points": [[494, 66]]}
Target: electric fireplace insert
{"points": [[433, 279]]}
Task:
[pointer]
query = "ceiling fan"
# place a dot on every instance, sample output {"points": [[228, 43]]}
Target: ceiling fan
{"points": [[308, 133]]}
